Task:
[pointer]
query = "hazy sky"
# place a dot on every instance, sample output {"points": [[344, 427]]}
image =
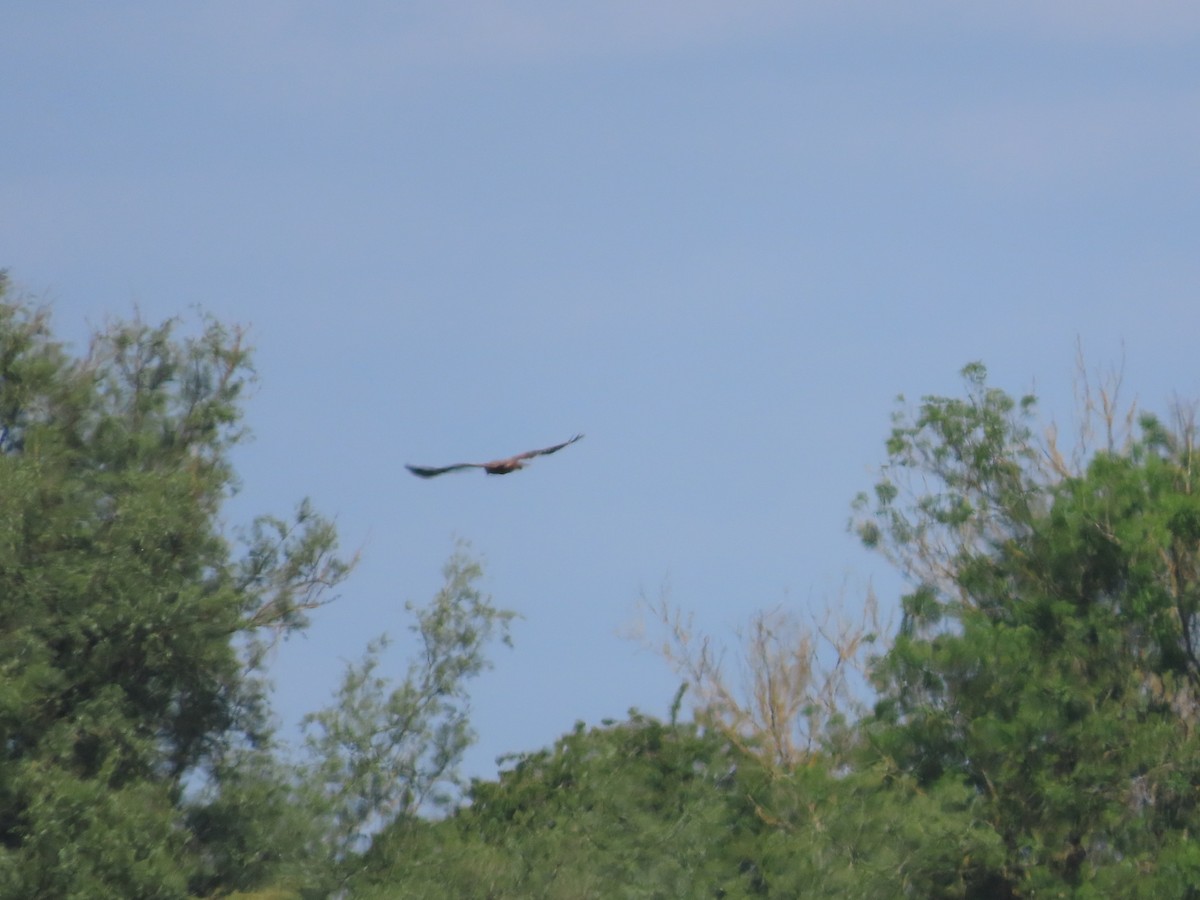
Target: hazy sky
{"points": [[719, 238]]}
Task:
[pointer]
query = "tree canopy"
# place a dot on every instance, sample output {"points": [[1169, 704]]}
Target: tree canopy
{"points": [[1032, 730], [1028, 728], [136, 748], [130, 623], [1046, 658]]}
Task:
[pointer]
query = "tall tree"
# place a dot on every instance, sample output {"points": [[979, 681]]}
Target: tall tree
{"points": [[384, 755], [1047, 660], [388, 751], [130, 620]]}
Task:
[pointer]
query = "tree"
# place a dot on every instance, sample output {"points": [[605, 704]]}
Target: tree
{"points": [[801, 684], [1046, 660], [130, 620], [633, 809], [384, 753], [643, 808]]}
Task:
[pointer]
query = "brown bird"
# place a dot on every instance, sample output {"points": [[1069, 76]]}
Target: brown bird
{"points": [[496, 466]]}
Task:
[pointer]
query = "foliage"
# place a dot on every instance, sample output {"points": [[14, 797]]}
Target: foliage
{"points": [[1047, 659], [648, 809], [964, 475], [1034, 731], [632, 809], [126, 610], [383, 753], [251, 828]]}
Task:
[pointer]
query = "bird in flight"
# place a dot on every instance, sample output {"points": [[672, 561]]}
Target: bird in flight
{"points": [[496, 466]]}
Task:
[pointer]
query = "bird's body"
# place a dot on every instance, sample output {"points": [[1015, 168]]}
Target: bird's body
{"points": [[496, 466]]}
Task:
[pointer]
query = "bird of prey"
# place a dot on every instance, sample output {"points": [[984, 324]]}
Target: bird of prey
{"points": [[496, 466]]}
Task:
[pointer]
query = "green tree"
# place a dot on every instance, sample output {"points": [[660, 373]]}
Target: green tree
{"points": [[632, 809], [387, 752], [130, 620], [1046, 661], [649, 809]]}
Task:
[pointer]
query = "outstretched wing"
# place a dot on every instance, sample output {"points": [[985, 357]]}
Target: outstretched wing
{"points": [[427, 472], [546, 451], [497, 467]]}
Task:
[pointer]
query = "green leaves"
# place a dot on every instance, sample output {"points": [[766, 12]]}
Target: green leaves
{"points": [[1046, 658], [287, 570], [963, 476], [385, 752], [123, 600], [83, 838], [637, 809]]}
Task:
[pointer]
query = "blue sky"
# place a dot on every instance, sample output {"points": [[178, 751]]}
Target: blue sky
{"points": [[717, 238]]}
